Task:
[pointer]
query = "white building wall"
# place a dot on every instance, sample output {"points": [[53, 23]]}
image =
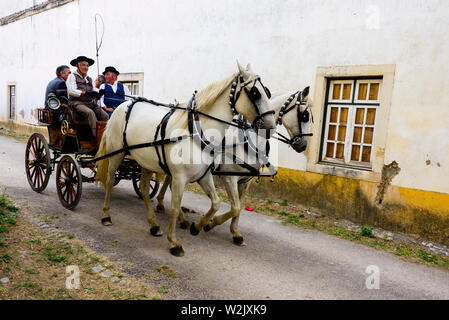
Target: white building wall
{"points": [[183, 45]]}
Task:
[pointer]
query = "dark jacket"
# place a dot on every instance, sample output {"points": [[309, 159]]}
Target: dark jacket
{"points": [[56, 86]]}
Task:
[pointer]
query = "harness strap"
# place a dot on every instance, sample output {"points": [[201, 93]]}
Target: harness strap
{"points": [[138, 146], [162, 127], [128, 114]]}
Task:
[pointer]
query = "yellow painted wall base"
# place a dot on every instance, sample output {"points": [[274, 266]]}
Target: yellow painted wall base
{"points": [[22, 128], [422, 213]]}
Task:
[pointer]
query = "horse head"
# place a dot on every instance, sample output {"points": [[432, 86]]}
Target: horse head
{"points": [[250, 98], [297, 122]]}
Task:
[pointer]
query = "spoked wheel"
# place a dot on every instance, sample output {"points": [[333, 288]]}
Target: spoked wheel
{"points": [[68, 182], [37, 162], [154, 187]]}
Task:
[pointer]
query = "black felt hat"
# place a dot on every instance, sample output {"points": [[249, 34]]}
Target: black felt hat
{"points": [[110, 69], [82, 58]]}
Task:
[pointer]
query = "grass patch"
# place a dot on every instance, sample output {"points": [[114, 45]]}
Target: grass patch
{"points": [[6, 258], [166, 271], [163, 289], [366, 232], [40, 271], [31, 271]]}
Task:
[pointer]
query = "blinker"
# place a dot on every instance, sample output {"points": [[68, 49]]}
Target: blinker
{"points": [[305, 116]]}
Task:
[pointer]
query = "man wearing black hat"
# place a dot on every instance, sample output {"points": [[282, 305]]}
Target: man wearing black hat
{"points": [[81, 93], [115, 92]]}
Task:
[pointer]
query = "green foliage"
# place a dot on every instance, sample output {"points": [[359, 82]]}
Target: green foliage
{"points": [[366, 232], [5, 258], [31, 271], [283, 203], [423, 254], [163, 289]]}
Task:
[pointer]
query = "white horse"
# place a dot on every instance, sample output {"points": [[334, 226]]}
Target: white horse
{"points": [[294, 113], [186, 160]]}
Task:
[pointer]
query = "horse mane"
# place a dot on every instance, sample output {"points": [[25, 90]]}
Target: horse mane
{"points": [[208, 95]]}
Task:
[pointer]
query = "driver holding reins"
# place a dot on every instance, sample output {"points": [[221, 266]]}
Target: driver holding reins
{"points": [[81, 93]]}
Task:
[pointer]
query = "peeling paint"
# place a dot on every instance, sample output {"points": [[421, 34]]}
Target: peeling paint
{"points": [[388, 173]]}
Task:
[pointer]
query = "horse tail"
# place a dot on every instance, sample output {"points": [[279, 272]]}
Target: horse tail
{"points": [[102, 165]]}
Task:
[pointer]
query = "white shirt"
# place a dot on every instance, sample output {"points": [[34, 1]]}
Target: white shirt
{"points": [[72, 88], [114, 88]]}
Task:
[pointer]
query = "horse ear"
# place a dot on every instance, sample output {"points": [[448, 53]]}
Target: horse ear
{"points": [[305, 92], [248, 67], [242, 71]]}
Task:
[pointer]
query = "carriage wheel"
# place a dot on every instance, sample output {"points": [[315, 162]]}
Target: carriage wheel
{"points": [[68, 182], [37, 162], [154, 187]]}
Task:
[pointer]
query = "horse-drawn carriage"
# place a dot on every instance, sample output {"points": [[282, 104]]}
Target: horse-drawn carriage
{"points": [[176, 142], [70, 151]]}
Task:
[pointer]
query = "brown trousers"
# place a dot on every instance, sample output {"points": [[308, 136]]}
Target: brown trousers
{"points": [[91, 112]]}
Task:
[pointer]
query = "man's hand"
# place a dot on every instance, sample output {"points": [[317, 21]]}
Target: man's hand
{"points": [[95, 95], [108, 109]]}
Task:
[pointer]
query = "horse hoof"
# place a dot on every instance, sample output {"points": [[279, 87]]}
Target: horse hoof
{"points": [[238, 241], [156, 231], [177, 251], [160, 208], [106, 222], [193, 230], [185, 225], [207, 228], [187, 210]]}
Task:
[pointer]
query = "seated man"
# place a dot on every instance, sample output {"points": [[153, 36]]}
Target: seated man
{"points": [[81, 93], [57, 86], [115, 92]]}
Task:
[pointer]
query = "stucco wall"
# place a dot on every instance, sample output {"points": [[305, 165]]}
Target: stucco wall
{"points": [[184, 45]]}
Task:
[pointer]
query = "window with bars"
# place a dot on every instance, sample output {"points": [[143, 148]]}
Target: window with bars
{"points": [[350, 113]]}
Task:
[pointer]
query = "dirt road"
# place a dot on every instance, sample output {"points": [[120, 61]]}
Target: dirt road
{"points": [[279, 262]]}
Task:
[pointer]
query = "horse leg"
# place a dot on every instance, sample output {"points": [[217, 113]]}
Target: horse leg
{"points": [[242, 189], [177, 188], [160, 203], [113, 164], [144, 189], [160, 196], [208, 186], [231, 187]]}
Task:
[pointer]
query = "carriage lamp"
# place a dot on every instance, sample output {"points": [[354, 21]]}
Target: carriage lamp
{"points": [[53, 102]]}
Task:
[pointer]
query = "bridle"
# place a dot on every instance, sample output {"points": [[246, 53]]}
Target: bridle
{"points": [[253, 95], [302, 116]]}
